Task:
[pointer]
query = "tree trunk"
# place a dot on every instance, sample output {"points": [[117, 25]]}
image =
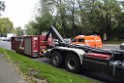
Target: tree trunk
{"points": [[108, 26], [73, 24], [62, 20]]}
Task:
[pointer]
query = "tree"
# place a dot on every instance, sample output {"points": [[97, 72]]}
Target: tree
{"points": [[29, 29], [19, 31], [96, 15], [48, 6], [110, 10], [43, 23], [118, 26], [44, 20], [89, 15], [6, 26], [2, 6], [74, 17]]}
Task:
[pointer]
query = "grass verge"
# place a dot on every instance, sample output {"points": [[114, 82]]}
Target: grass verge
{"points": [[43, 71]]}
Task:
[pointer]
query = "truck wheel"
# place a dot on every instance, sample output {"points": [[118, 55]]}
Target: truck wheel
{"points": [[57, 59], [72, 63]]}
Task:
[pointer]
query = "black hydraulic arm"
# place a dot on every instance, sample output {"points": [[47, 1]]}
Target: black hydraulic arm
{"points": [[54, 32]]}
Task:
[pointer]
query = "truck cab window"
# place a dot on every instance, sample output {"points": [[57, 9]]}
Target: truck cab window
{"points": [[80, 40]]}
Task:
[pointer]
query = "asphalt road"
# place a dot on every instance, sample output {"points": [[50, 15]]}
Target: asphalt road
{"points": [[103, 78], [5, 44], [111, 46]]}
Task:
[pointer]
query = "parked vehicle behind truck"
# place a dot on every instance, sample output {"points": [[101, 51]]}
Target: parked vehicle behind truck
{"points": [[89, 40], [9, 35]]}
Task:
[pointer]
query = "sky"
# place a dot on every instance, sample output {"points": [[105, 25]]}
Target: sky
{"points": [[20, 12]]}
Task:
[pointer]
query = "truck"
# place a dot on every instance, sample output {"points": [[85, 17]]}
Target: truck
{"points": [[76, 57]]}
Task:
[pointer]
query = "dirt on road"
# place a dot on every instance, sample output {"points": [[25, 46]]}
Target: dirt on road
{"points": [[8, 72]]}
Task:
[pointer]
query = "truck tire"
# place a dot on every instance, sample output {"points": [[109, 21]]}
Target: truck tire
{"points": [[57, 59], [72, 63]]}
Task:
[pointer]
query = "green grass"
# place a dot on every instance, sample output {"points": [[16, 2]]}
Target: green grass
{"points": [[43, 71]]}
